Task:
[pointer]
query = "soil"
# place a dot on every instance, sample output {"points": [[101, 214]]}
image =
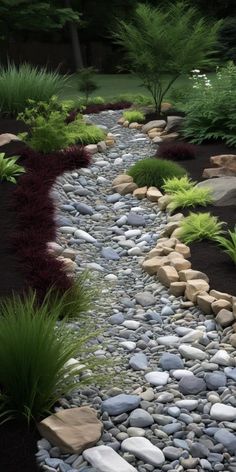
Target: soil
{"points": [[18, 447]]}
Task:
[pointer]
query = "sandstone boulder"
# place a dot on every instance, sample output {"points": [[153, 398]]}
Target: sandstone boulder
{"points": [[204, 301], [153, 124], [167, 274], [225, 160], [122, 179], [140, 192], [177, 288], [225, 318], [125, 189], [194, 287], [153, 194]]}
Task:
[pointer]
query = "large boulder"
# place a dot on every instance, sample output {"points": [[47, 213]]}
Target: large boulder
{"points": [[153, 124], [225, 160], [174, 123], [224, 190]]}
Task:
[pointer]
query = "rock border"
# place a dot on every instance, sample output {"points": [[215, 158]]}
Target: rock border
{"points": [[169, 261], [158, 131]]}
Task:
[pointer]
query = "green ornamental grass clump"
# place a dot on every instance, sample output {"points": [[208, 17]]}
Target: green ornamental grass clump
{"points": [[9, 169], [17, 84], [35, 350], [199, 226], [153, 172], [134, 116], [190, 198], [176, 184], [228, 244]]}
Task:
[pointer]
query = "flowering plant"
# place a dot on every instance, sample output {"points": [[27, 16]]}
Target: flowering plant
{"points": [[211, 109]]}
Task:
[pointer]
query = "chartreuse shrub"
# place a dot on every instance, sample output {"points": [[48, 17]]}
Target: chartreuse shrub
{"points": [[50, 131], [210, 110], [176, 184], [34, 352], [133, 116], [17, 84], [9, 169], [153, 172], [228, 244], [199, 226], [190, 198]]}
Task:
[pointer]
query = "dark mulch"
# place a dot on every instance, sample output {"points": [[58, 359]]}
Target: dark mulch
{"points": [[18, 447], [209, 257]]}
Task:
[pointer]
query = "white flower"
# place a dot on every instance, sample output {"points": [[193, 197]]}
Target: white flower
{"points": [[196, 70]]}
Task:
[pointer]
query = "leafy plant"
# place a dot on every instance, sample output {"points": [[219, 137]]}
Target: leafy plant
{"points": [[210, 111], [228, 244], [199, 226], [176, 151], [170, 41], [152, 172], [17, 84], [44, 108], [133, 116], [86, 82], [87, 134], [191, 197], [9, 169], [177, 184], [34, 354]]}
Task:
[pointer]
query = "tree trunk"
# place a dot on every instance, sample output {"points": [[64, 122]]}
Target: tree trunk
{"points": [[78, 60]]}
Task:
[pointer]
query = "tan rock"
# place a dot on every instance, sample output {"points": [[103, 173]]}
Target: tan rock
{"points": [[152, 265], [164, 201], [126, 188], [157, 140], [175, 255], [70, 253], [101, 146], [167, 274], [225, 160], [122, 179], [177, 288], [167, 250], [153, 134], [72, 430], [155, 252], [135, 125], [191, 274], [171, 242], [212, 172], [165, 106], [194, 287], [169, 228], [204, 301], [69, 265], [176, 233], [121, 120], [54, 248], [232, 339], [153, 124], [140, 192], [169, 137], [183, 249], [221, 295], [180, 263], [6, 138], [110, 142], [218, 305], [153, 194], [176, 217], [225, 318], [126, 124], [91, 148]]}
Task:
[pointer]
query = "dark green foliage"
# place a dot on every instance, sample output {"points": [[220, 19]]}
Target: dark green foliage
{"points": [[228, 244], [171, 41], [211, 111], [153, 172], [9, 169], [227, 39], [86, 82]]}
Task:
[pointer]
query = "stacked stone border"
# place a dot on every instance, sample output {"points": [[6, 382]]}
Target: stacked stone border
{"points": [[169, 261]]}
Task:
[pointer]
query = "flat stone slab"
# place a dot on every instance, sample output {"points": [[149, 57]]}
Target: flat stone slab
{"points": [[105, 459], [224, 190], [144, 450], [72, 430], [120, 404]]}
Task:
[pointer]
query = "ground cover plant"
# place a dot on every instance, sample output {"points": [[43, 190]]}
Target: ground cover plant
{"points": [[9, 169], [86, 82], [199, 226], [152, 172], [176, 151], [228, 244], [18, 84], [177, 184], [134, 116], [190, 197], [210, 110], [173, 40]]}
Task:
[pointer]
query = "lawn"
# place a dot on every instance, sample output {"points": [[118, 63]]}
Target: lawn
{"points": [[113, 85]]}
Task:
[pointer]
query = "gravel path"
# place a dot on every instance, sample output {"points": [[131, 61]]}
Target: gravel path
{"points": [[176, 365]]}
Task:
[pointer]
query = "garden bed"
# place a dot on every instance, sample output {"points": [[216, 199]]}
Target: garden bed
{"points": [[18, 445]]}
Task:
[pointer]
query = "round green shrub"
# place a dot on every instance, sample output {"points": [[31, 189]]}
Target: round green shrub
{"points": [[153, 172]]}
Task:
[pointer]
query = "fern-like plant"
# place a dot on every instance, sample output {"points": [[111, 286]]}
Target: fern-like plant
{"points": [[133, 116], [199, 226], [228, 244], [9, 169], [190, 198], [176, 184], [153, 172]]}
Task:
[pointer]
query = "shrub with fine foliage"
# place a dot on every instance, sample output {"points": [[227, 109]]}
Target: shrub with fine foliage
{"points": [[133, 116], [176, 184], [176, 151], [199, 226], [190, 197], [153, 172]]}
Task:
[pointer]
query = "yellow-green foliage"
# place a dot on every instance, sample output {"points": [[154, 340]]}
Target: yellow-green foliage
{"points": [[190, 198], [176, 184], [134, 116], [199, 226]]}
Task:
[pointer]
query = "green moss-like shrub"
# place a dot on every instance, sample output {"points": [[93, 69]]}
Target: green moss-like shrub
{"points": [[153, 172], [134, 116]]}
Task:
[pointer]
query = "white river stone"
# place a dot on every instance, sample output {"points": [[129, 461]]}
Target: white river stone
{"points": [[105, 459], [144, 449]]}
